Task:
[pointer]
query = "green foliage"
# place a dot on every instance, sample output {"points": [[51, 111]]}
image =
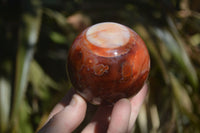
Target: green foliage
{"points": [[35, 37]]}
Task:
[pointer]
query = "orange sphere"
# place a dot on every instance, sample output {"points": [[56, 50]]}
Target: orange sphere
{"points": [[108, 61]]}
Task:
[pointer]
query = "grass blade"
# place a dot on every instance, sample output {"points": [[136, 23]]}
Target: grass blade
{"points": [[5, 95], [179, 54], [28, 37]]}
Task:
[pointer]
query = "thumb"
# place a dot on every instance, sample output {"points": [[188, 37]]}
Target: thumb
{"points": [[67, 119]]}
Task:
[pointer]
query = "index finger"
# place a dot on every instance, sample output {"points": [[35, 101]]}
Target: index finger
{"points": [[136, 103]]}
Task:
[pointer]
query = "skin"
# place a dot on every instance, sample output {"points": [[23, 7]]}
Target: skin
{"points": [[68, 114]]}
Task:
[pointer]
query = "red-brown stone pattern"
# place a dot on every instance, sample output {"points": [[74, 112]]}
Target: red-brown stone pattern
{"points": [[101, 76]]}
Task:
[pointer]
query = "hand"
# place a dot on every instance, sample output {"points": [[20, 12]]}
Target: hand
{"points": [[70, 112]]}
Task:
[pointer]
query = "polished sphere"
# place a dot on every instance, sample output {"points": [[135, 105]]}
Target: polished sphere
{"points": [[108, 61]]}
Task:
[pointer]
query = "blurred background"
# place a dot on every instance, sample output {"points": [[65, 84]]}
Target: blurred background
{"points": [[35, 36]]}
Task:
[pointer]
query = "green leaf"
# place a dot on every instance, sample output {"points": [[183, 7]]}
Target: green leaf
{"points": [[195, 39], [24, 118], [40, 81], [58, 38], [181, 94], [5, 102], [142, 119], [29, 30], [183, 100], [182, 56], [179, 53]]}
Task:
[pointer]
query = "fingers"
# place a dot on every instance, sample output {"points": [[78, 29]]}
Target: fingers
{"points": [[120, 117], [117, 119], [136, 103], [61, 105], [100, 121], [67, 118], [111, 119]]}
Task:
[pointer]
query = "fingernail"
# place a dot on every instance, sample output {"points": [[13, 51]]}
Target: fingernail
{"points": [[74, 100]]}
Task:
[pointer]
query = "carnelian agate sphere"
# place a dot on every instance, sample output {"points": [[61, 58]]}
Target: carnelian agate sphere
{"points": [[107, 62]]}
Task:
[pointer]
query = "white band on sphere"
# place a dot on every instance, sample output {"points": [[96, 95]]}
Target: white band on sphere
{"points": [[108, 35]]}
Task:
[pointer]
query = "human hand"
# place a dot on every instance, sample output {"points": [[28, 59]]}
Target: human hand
{"points": [[70, 112]]}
